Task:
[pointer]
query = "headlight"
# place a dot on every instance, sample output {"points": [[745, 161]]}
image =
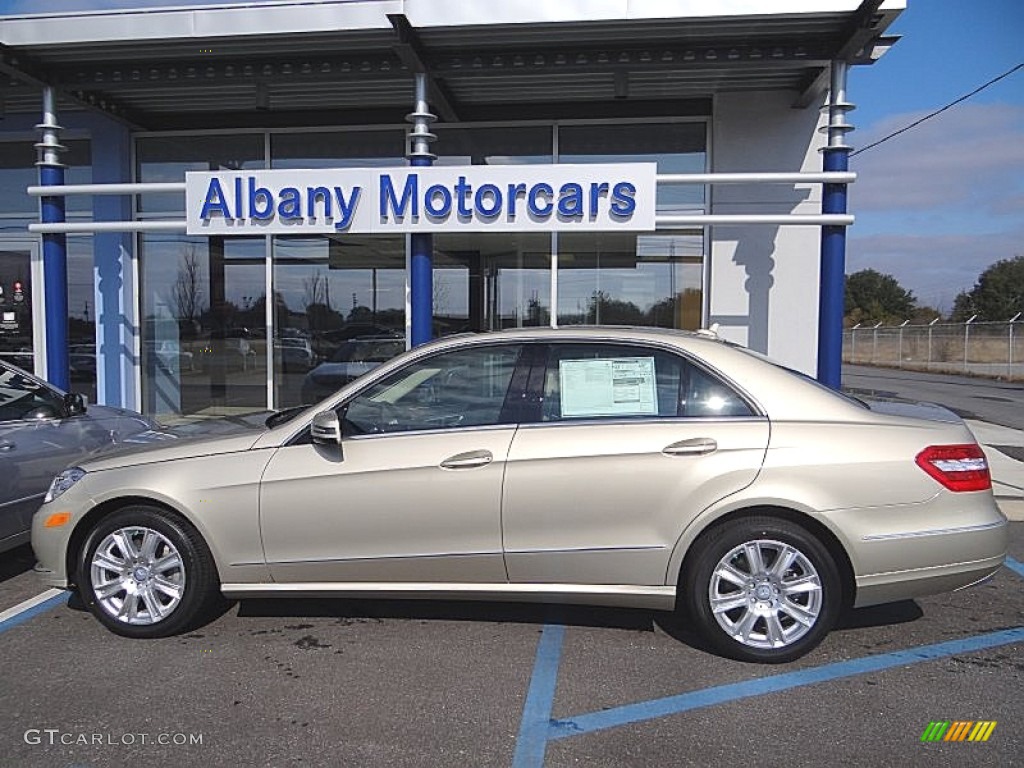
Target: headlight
{"points": [[62, 482]]}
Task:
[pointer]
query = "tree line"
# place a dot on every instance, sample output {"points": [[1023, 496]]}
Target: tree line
{"points": [[874, 297]]}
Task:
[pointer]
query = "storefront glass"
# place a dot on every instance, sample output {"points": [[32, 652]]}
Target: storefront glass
{"points": [[18, 294], [339, 301], [626, 279], [204, 338], [339, 310]]}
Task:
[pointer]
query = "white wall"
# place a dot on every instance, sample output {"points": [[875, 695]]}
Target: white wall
{"points": [[763, 280]]}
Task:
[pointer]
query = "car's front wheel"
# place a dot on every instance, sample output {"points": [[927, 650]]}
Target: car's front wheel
{"points": [[144, 572], [762, 589]]}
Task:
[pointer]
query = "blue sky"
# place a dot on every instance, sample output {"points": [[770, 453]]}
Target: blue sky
{"points": [[938, 204]]}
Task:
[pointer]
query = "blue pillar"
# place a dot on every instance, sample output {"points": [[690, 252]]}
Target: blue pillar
{"points": [[421, 246], [832, 291], [55, 258]]}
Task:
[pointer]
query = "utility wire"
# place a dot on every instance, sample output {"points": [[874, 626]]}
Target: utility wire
{"points": [[916, 123]]}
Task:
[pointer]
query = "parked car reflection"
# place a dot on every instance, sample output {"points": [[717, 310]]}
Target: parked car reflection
{"points": [[43, 430], [350, 361]]}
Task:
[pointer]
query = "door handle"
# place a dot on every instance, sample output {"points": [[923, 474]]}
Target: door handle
{"points": [[6, 446], [695, 446], [468, 460]]}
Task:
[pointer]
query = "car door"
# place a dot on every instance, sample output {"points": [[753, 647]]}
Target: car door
{"points": [[414, 491], [629, 443]]}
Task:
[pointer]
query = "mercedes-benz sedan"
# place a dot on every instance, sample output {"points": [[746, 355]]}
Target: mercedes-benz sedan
{"points": [[624, 467]]}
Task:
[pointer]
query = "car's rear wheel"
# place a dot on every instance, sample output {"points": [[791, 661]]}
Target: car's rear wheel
{"points": [[144, 572], [762, 589]]}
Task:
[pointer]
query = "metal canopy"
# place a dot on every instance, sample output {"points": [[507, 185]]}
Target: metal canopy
{"points": [[476, 72]]}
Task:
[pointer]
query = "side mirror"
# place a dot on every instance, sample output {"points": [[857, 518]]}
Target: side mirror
{"points": [[74, 404], [325, 428]]}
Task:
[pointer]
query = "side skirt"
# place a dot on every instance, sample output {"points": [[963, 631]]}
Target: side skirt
{"points": [[613, 595]]}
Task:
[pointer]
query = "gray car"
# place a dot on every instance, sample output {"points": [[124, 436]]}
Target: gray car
{"points": [[43, 430], [624, 467]]}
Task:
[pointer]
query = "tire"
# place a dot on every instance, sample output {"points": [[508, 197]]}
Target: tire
{"points": [[772, 613], [144, 572]]}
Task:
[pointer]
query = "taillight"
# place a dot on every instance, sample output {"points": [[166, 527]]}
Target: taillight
{"points": [[956, 467]]}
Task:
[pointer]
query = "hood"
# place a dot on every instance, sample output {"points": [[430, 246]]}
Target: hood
{"points": [[127, 419], [160, 446]]}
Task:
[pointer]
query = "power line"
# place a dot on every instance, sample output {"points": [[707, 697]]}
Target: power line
{"points": [[951, 104]]}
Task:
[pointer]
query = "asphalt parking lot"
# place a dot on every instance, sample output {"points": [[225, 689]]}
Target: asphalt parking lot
{"points": [[350, 683]]}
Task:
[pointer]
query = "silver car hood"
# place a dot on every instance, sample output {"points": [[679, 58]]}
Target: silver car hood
{"points": [[167, 447]]}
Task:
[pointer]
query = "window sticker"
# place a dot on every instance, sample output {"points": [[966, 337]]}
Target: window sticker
{"points": [[621, 386]]}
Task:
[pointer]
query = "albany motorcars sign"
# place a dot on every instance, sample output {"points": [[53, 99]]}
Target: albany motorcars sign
{"points": [[472, 198]]}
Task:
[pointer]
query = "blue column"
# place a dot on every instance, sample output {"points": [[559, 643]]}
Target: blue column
{"points": [[421, 280], [421, 246], [832, 292], [55, 251]]}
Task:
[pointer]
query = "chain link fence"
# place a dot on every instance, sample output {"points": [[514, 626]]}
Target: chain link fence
{"points": [[985, 349]]}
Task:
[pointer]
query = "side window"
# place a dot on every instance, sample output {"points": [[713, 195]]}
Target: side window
{"points": [[587, 381], [705, 395], [463, 388], [22, 397]]}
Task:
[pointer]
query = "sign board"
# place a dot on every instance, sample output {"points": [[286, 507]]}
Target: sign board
{"points": [[472, 198]]}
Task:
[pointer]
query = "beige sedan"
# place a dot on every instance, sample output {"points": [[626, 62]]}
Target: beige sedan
{"points": [[624, 467]]}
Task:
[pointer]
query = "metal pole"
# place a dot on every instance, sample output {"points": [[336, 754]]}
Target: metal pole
{"points": [[874, 343], [55, 259], [853, 343], [833, 237], [421, 246], [933, 322], [899, 352], [967, 337], [1009, 366]]}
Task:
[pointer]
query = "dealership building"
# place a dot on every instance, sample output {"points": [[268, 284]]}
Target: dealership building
{"points": [[205, 201]]}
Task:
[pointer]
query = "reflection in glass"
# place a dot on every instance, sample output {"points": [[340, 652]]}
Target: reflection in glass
{"points": [[168, 158], [493, 146], [204, 329], [336, 298], [485, 282], [338, 149], [622, 278]]}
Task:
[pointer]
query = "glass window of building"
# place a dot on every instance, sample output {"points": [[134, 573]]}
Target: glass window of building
{"points": [[204, 349], [339, 311], [339, 299], [19, 297], [203, 300], [485, 282], [621, 278]]}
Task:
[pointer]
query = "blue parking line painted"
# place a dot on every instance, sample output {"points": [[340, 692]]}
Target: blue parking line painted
{"points": [[1015, 565], [28, 609], [533, 729], [722, 694]]}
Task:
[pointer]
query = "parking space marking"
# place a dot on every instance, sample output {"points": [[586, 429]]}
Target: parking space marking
{"points": [[26, 609], [538, 728], [722, 694], [533, 728]]}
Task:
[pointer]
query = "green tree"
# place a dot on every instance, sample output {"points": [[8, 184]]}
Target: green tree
{"points": [[872, 297], [998, 294]]}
